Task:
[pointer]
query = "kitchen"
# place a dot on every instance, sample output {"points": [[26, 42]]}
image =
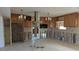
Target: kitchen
{"points": [[27, 24]]}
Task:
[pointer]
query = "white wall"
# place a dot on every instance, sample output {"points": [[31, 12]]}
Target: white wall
{"points": [[5, 11], [2, 44]]}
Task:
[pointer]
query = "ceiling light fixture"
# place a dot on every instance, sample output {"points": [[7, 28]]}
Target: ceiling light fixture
{"points": [[49, 18], [21, 16]]}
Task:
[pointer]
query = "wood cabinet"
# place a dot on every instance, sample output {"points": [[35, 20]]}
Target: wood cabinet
{"points": [[14, 18], [71, 20], [77, 21], [17, 32], [26, 22], [66, 21], [53, 22], [50, 23], [44, 20]]}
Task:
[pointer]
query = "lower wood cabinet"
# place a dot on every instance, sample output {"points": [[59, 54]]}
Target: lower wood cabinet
{"points": [[17, 32]]}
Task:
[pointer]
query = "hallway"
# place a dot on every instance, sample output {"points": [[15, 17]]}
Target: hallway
{"points": [[49, 45]]}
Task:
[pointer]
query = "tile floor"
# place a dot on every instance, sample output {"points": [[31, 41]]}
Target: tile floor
{"points": [[49, 45]]}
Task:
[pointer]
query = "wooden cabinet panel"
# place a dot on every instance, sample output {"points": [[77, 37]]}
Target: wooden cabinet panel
{"points": [[66, 21], [73, 20], [70, 20]]}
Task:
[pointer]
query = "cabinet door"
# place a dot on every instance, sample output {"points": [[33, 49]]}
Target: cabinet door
{"points": [[66, 21], [77, 21], [70, 20], [14, 18], [73, 20]]}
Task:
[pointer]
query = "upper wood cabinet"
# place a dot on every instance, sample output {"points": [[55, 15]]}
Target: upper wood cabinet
{"points": [[70, 20], [14, 18], [77, 22], [26, 22], [53, 22], [44, 20]]}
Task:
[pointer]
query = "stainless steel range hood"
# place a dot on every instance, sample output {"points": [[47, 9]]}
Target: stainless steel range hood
{"points": [[35, 26], [35, 14]]}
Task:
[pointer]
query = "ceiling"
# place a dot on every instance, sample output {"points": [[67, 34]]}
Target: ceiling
{"points": [[43, 11]]}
